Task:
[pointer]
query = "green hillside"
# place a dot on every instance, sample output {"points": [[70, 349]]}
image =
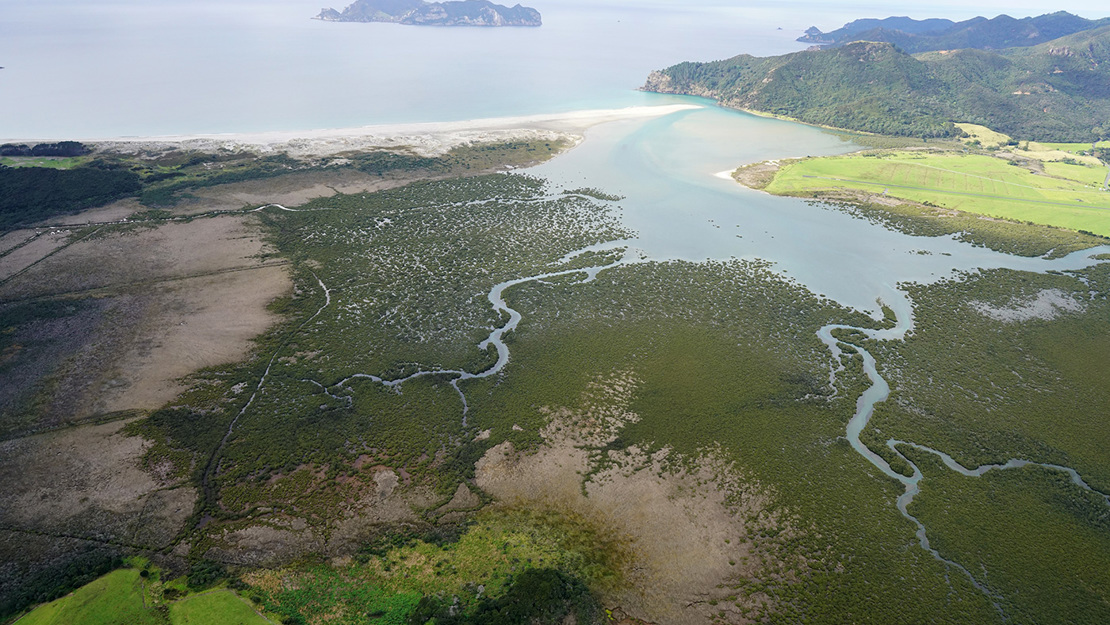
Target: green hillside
{"points": [[132, 596], [1056, 91], [1000, 32]]}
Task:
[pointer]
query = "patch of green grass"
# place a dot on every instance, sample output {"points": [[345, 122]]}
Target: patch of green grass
{"points": [[115, 599], [1066, 196], [136, 596], [53, 162], [1091, 176], [384, 585], [222, 607], [327, 594], [1073, 148]]}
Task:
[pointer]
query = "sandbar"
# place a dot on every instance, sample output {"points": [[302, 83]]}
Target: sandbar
{"points": [[426, 138]]}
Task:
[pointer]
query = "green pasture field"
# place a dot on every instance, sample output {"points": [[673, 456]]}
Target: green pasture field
{"points": [[1065, 195], [53, 162], [123, 597], [1074, 148], [115, 599], [215, 607]]}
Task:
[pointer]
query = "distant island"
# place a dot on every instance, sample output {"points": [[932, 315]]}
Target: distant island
{"points": [[941, 34], [420, 13], [1053, 91]]}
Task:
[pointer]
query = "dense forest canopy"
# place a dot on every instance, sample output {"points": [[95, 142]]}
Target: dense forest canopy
{"points": [[1056, 91], [939, 34]]}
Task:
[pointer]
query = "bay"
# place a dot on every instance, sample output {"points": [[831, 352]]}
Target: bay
{"points": [[82, 69]]}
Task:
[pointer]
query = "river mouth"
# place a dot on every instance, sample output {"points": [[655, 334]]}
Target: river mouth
{"points": [[669, 171], [674, 173]]}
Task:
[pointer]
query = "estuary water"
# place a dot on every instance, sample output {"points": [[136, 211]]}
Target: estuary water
{"points": [[665, 167]]}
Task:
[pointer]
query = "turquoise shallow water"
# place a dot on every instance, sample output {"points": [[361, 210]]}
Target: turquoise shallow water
{"points": [[665, 169]]}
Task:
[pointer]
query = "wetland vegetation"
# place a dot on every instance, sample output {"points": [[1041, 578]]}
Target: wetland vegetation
{"points": [[338, 466]]}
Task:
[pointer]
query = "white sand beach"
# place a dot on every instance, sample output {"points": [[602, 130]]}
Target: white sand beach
{"points": [[426, 139]]}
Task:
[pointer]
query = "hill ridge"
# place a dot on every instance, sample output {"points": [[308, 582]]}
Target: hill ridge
{"points": [[1056, 91]]}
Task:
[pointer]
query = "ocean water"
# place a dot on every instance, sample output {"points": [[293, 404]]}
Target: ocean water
{"points": [[80, 69]]}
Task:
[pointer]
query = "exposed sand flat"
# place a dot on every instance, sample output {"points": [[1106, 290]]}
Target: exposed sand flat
{"points": [[168, 300], [87, 482], [196, 323], [686, 542], [1047, 305], [428, 139], [171, 250]]}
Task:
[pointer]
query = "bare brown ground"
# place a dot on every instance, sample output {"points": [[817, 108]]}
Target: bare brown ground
{"points": [[202, 322], [85, 482], [14, 238], [143, 255], [115, 211], [293, 189], [687, 528], [757, 175], [19, 259], [169, 300]]}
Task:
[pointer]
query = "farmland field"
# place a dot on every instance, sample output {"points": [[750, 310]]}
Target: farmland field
{"points": [[1056, 194], [114, 598]]}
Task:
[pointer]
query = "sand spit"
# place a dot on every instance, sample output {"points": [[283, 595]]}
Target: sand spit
{"points": [[426, 139]]}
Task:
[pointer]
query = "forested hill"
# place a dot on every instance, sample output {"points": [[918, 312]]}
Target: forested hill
{"points": [[938, 34], [1057, 91]]}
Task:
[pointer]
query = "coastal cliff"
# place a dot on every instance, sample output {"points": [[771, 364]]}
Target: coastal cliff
{"points": [[419, 13]]}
